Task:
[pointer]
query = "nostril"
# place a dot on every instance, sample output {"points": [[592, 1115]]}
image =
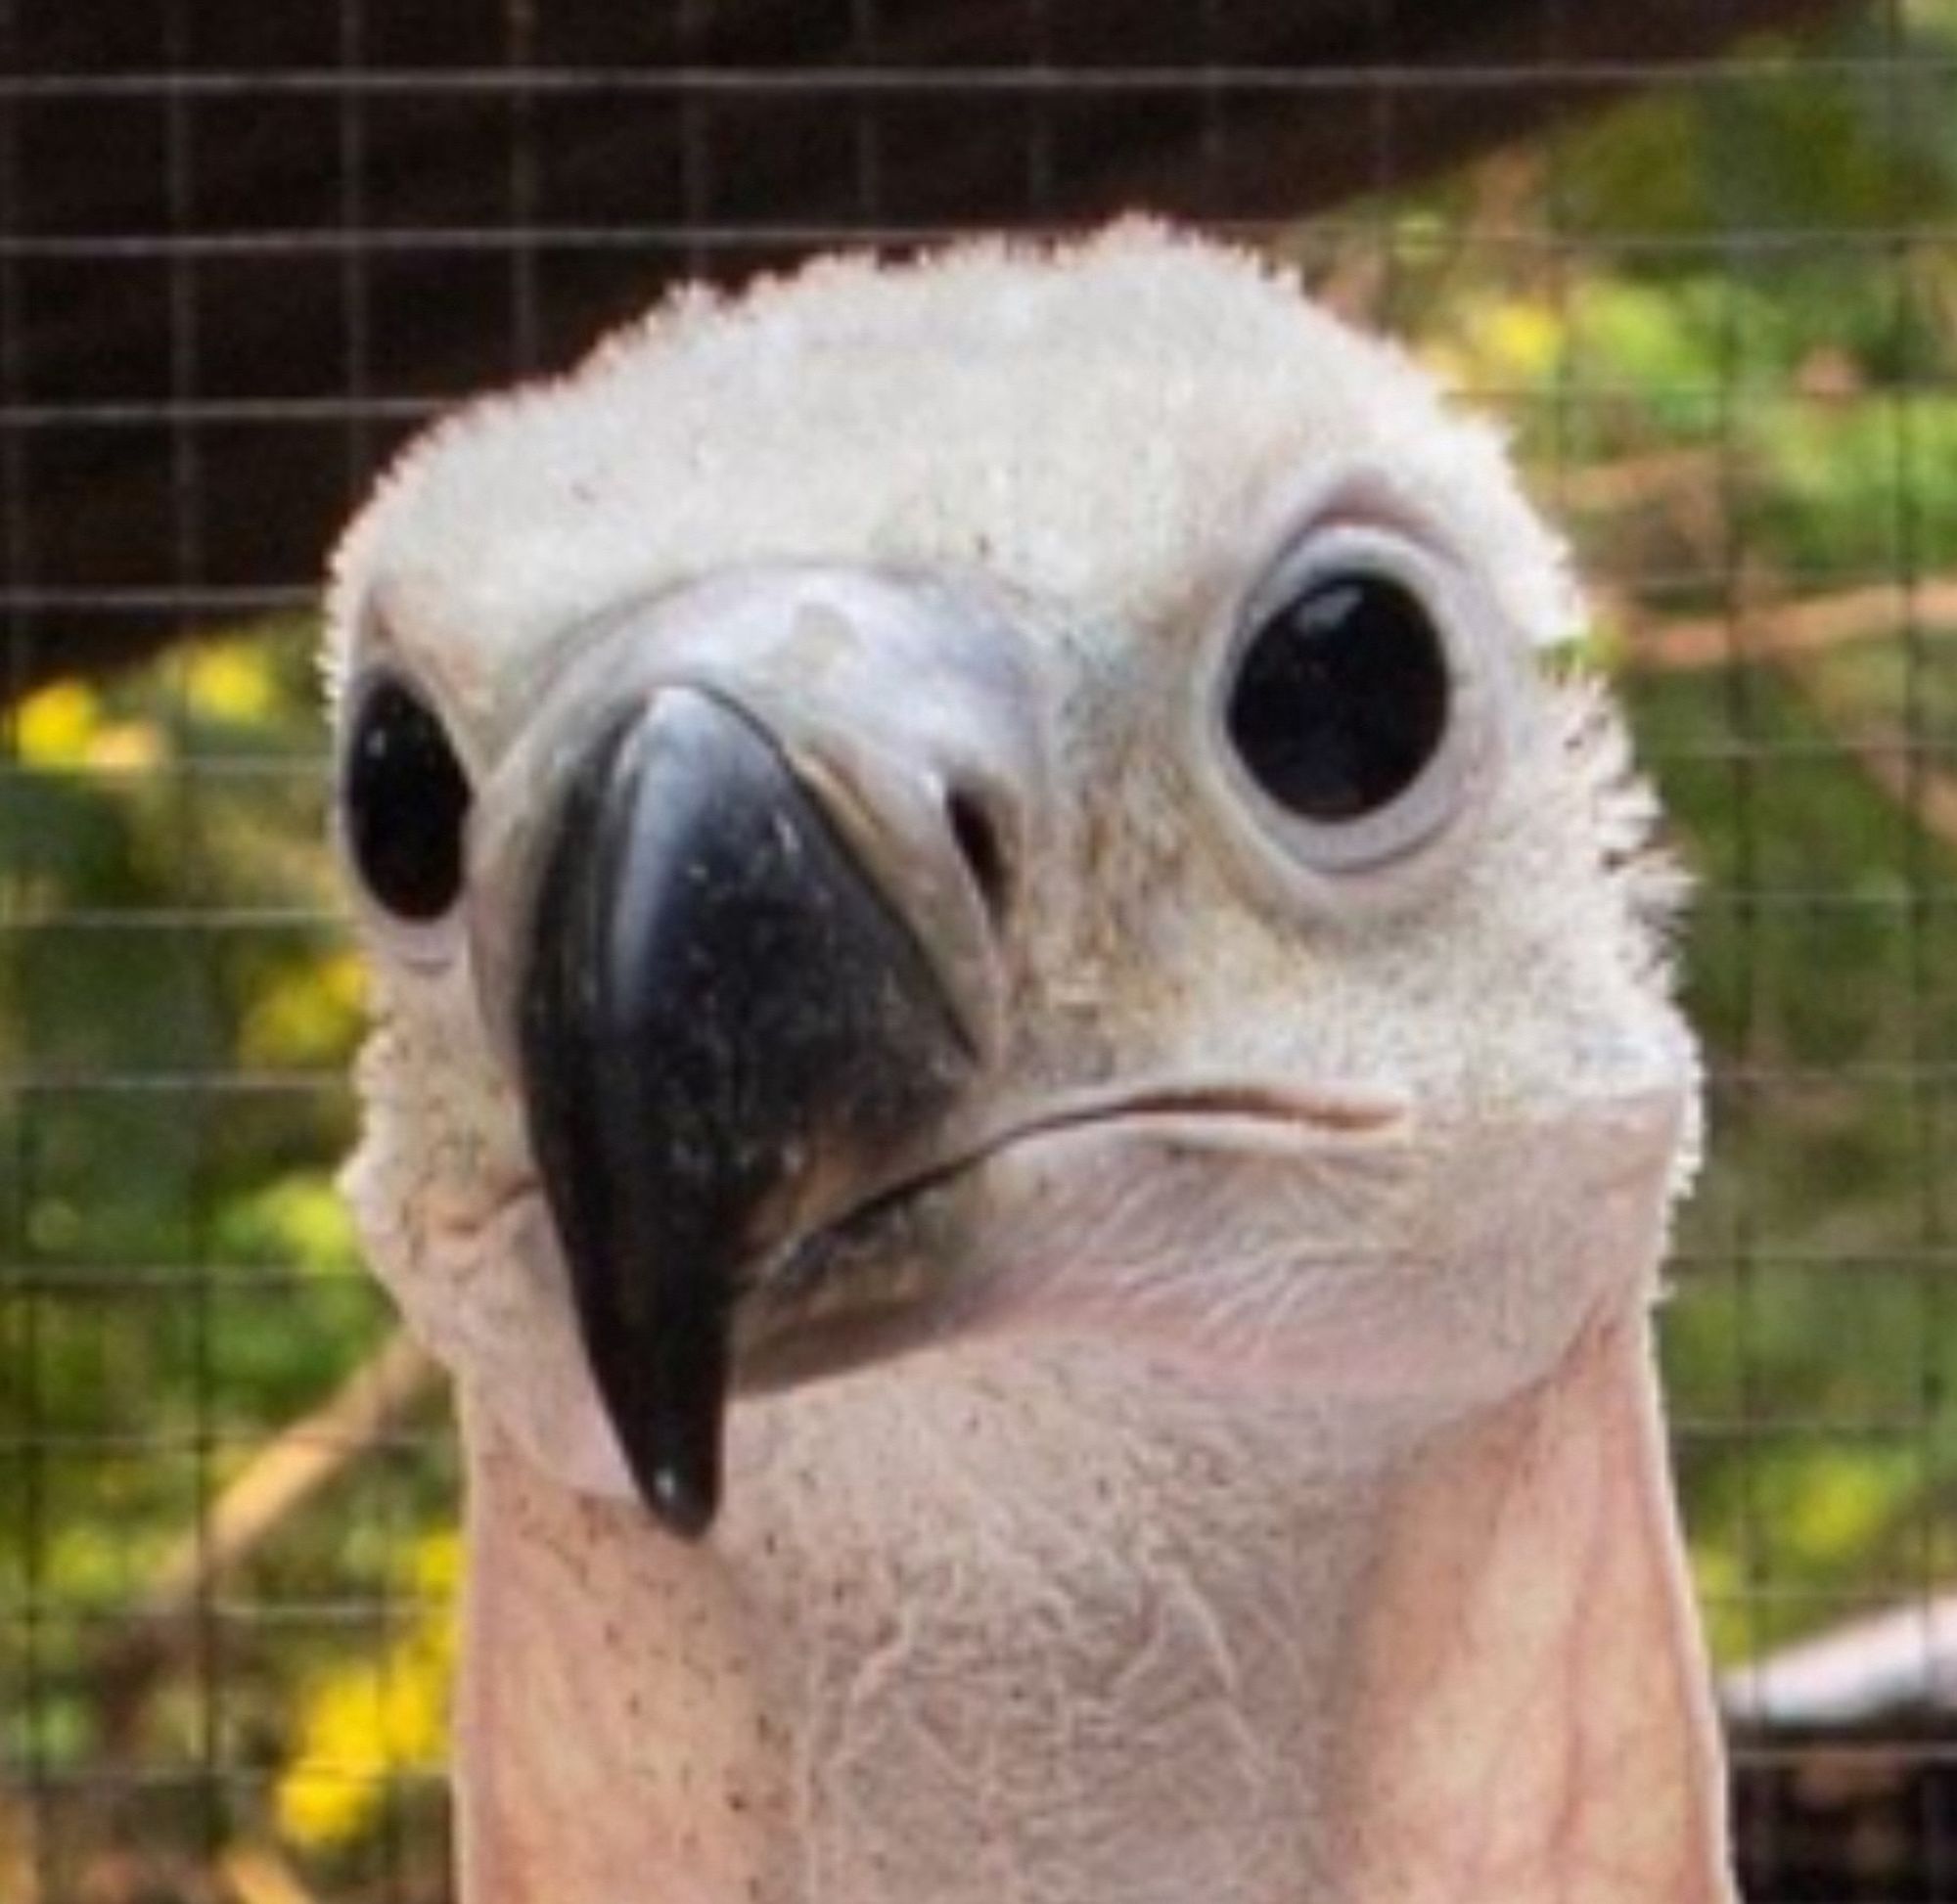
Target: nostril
{"points": [[983, 852]]}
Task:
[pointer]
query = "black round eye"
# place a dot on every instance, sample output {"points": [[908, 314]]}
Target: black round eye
{"points": [[1341, 697], [406, 799]]}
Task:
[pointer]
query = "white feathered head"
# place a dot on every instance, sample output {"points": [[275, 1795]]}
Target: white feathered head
{"points": [[981, 857]]}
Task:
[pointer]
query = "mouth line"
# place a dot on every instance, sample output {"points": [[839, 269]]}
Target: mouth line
{"points": [[1337, 1113], [1337, 1110], [804, 1261], [805, 1282]]}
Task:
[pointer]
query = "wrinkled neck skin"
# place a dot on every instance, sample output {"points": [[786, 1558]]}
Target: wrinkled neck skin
{"points": [[925, 1659], [1361, 1588]]}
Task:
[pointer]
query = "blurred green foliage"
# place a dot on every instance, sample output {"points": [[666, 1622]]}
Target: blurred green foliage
{"points": [[1723, 324], [178, 1005], [1732, 375]]}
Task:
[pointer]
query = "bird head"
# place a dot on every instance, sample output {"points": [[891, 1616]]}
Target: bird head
{"points": [[1000, 826]]}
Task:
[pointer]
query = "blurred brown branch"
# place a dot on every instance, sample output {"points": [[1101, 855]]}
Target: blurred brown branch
{"points": [[1786, 630], [17, 1877], [280, 1478], [1925, 792], [260, 1873], [1665, 477]]}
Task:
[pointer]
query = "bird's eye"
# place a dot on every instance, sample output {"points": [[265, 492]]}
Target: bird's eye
{"points": [[1341, 697], [404, 800], [1358, 705]]}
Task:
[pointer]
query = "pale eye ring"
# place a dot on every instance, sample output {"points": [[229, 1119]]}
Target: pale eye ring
{"points": [[1350, 710]]}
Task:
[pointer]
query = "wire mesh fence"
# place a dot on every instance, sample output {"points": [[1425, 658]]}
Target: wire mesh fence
{"points": [[1712, 280]]}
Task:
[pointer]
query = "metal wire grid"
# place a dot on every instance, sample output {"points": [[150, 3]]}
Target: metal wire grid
{"points": [[515, 254]]}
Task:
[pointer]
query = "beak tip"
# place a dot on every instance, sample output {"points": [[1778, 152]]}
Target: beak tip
{"points": [[682, 1499]]}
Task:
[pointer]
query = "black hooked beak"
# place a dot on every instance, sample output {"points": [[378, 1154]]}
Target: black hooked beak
{"points": [[724, 1022]]}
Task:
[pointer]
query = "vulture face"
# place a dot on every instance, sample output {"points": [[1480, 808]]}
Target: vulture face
{"points": [[1023, 1064]]}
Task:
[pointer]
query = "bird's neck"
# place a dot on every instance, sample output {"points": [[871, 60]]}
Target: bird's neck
{"points": [[1199, 1655]]}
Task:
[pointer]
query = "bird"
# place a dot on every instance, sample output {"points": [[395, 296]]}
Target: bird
{"points": [[1024, 1060]]}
